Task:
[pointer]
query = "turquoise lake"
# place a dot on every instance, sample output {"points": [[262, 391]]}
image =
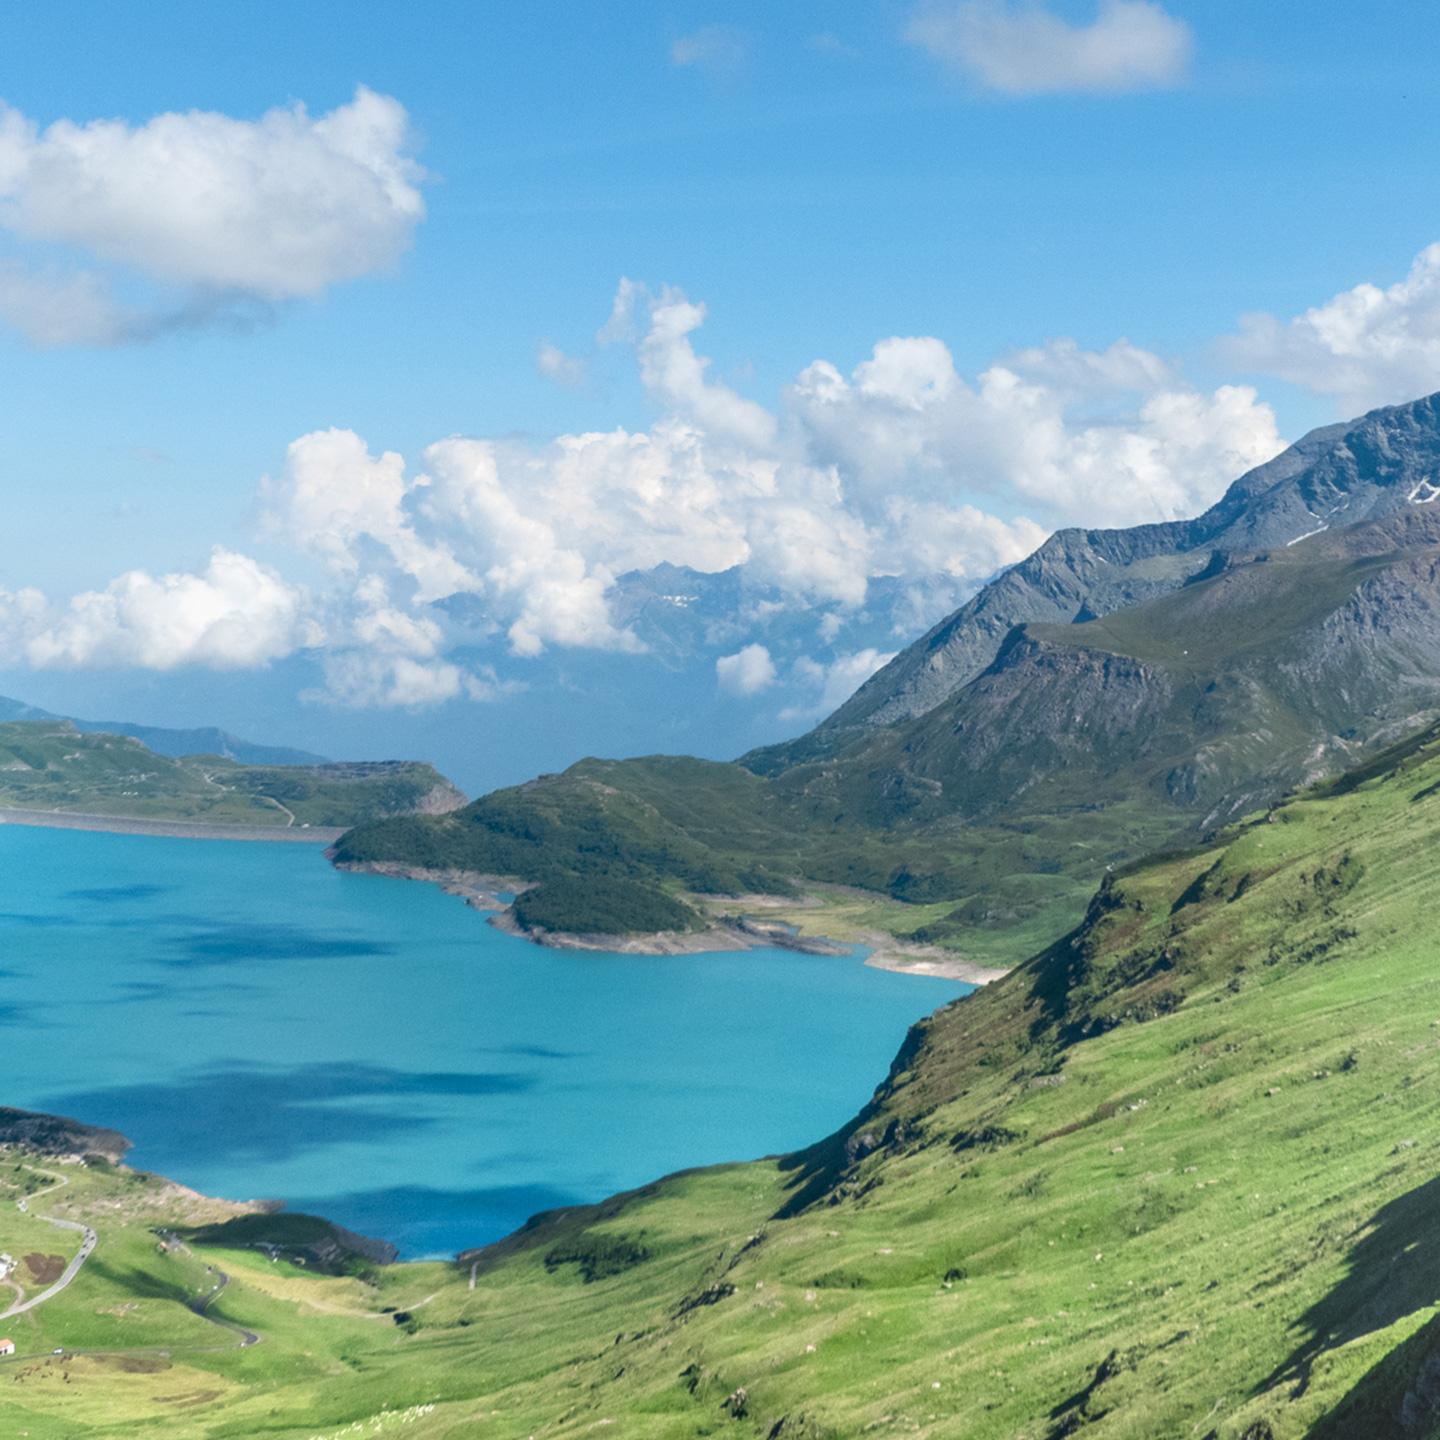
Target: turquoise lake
{"points": [[261, 1025]]}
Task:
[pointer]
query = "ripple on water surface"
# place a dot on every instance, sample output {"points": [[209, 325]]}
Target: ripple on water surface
{"points": [[261, 1024]]}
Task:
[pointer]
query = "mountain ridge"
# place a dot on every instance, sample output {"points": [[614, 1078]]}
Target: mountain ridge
{"points": [[1259, 510]]}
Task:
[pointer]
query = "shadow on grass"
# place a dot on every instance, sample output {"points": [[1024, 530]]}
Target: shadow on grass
{"points": [[139, 1283], [1393, 1270], [1397, 1399]]}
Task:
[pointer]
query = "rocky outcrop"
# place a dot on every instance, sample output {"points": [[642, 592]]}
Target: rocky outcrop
{"points": [[56, 1135], [440, 799]]}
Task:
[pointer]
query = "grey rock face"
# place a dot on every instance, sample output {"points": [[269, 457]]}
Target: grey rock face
{"points": [[1336, 477]]}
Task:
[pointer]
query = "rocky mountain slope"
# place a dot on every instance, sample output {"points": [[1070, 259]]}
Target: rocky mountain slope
{"points": [[1337, 476]]}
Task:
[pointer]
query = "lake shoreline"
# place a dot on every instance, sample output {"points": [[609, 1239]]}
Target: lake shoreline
{"points": [[262, 1026], [169, 829], [722, 936], [908, 958], [726, 935], [477, 890]]}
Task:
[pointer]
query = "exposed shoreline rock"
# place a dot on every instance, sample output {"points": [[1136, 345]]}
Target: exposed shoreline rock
{"points": [[479, 891], [724, 934], [729, 934], [907, 958], [59, 1136]]}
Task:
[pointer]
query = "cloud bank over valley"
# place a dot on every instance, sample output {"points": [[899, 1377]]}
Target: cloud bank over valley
{"points": [[898, 468]]}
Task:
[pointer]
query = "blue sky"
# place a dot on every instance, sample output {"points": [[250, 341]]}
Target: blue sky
{"points": [[819, 177]]}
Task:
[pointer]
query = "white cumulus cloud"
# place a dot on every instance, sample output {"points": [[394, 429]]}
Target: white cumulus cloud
{"points": [[828, 686], [900, 467], [746, 672], [1367, 346], [385, 656], [552, 362], [235, 614], [223, 217], [674, 373], [921, 443], [337, 500], [1026, 49]]}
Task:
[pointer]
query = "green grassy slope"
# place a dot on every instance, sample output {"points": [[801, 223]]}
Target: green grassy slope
{"points": [[49, 765], [1175, 1176]]}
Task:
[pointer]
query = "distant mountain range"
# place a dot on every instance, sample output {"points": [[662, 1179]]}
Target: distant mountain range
{"points": [[551, 707], [206, 740], [1118, 690]]}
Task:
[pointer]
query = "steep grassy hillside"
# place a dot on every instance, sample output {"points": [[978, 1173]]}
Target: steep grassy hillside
{"points": [[49, 765], [1174, 1176]]}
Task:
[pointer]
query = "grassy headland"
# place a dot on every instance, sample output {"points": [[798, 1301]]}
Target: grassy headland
{"points": [[49, 766], [681, 838]]}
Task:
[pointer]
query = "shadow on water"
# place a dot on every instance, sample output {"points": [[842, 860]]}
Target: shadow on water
{"points": [[141, 990], [236, 1111], [158, 992], [118, 894], [240, 944], [204, 942], [536, 1052], [1393, 1270]]}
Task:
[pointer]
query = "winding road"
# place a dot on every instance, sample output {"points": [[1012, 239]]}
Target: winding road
{"points": [[200, 1305], [87, 1245]]}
